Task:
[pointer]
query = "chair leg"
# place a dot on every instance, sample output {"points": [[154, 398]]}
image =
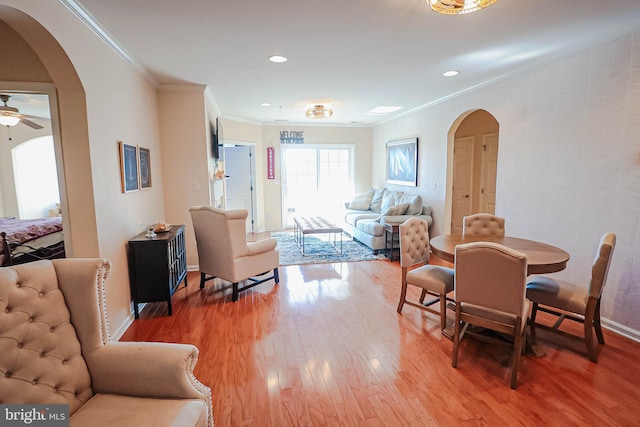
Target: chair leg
{"points": [[443, 312], [532, 322], [234, 294], [588, 338], [276, 275], [403, 295], [202, 280], [518, 344], [456, 338], [423, 294], [597, 325]]}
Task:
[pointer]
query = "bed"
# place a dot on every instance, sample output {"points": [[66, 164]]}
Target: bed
{"points": [[25, 240]]}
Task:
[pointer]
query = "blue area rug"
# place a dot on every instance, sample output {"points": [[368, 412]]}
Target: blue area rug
{"points": [[319, 251]]}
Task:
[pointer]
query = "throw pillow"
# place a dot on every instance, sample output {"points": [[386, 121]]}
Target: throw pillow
{"points": [[361, 201], [396, 210], [376, 200], [415, 204], [388, 200]]}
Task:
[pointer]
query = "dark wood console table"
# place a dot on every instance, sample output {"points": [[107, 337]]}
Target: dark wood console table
{"points": [[157, 266]]}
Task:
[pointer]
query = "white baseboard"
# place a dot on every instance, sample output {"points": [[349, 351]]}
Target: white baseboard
{"points": [[193, 267], [625, 331], [115, 336]]}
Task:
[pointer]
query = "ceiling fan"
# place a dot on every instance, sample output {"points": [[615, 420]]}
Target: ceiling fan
{"points": [[10, 116]]}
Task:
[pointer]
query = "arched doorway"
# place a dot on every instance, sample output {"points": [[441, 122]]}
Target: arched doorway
{"points": [[474, 166]]}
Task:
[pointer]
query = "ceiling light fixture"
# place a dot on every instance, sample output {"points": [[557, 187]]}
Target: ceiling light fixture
{"points": [[319, 112], [265, 104], [458, 7], [8, 120], [278, 59], [451, 73]]}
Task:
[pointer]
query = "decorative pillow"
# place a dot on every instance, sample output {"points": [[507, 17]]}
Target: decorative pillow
{"points": [[396, 210], [388, 200], [361, 201], [415, 204], [376, 200]]}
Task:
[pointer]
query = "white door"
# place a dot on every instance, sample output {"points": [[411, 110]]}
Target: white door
{"points": [[489, 173], [462, 182], [239, 167]]}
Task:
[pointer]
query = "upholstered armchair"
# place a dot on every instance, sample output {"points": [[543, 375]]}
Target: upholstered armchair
{"points": [[483, 224], [55, 349], [223, 250]]}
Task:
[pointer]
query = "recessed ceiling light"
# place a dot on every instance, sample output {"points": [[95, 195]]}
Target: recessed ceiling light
{"points": [[451, 73], [384, 110], [265, 104], [278, 59]]}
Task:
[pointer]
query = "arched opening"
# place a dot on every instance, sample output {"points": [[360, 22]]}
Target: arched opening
{"points": [[40, 65], [472, 167]]}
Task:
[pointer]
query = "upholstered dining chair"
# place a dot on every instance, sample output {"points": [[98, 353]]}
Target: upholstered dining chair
{"points": [[550, 295], [432, 279], [489, 292], [55, 348], [483, 224], [223, 250]]}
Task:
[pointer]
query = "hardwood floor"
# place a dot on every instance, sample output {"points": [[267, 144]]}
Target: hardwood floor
{"points": [[326, 347]]}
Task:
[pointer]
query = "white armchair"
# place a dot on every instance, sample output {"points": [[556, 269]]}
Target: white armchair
{"points": [[223, 250], [55, 349]]}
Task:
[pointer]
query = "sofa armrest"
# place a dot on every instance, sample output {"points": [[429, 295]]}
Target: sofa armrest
{"points": [[147, 369], [261, 246], [399, 219]]}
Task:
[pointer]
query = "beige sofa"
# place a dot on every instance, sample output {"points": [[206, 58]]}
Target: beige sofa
{"points": [[55, 349], [368, 212]]}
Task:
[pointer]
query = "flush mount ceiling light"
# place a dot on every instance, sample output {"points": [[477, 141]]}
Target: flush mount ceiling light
{"points": [[265, 104], [278, 59], [457, 7], [451, 73], [319, 112]]}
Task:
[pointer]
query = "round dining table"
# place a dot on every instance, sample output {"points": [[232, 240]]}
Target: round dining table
{"points": [[541, 257]]}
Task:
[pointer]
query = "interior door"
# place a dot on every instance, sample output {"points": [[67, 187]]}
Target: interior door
{"points": [[462, 182], [489, 173], [239, 185]]}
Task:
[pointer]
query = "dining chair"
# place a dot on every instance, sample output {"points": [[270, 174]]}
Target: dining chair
{"points": [[489, 292], [223, 250], [483, 224], [575, 302], [432, 279]]}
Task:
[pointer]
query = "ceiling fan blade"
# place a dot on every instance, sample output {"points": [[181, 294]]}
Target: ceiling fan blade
{"points": [[29, 123]]}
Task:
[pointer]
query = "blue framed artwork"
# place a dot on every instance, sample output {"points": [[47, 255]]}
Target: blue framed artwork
{"points": [[402, 162], [144, 156], [129, 174]]}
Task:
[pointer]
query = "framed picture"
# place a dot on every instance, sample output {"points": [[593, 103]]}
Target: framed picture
{"points": [[402, 162], [144, 157], [129, 167]]}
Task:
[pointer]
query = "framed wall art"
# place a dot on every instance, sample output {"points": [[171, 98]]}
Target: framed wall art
{"points": [[144, 158], [129, 167], [402, 162]]}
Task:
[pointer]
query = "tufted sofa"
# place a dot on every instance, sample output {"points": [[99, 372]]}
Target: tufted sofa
{"points": [[368, 212], [55, 349]]}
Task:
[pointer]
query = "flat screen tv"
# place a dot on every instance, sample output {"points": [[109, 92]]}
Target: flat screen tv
{"points": [[216, 138]]}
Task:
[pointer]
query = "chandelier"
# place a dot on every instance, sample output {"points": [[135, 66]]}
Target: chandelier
{"points": [[457, 7], [319, 112]]}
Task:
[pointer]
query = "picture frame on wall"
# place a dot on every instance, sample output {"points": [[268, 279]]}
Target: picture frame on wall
{"points": [[129, 175], [144, 159], [402, 162]]}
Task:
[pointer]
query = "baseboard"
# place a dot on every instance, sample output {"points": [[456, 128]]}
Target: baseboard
{"points": [[122, 329], [193, 267], [625, 331]]}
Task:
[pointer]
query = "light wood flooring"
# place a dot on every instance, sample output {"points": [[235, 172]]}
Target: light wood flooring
{"points": [[326, 347]]}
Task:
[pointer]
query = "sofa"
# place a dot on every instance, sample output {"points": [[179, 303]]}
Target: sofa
{"points": [[369, 211]]}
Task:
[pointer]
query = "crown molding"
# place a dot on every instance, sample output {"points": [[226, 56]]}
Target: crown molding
{"points": [[90, 22]]}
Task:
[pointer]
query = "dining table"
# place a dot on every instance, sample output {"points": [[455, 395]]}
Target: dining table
{"points": [[542, 258]]}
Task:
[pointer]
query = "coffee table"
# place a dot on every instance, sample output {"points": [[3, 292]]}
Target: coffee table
{"points": [[315, 225]]}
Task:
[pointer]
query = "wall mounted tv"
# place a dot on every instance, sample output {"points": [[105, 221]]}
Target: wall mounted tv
{"points": [[215, 138]]}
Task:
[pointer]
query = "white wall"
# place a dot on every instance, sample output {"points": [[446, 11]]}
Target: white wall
{"points": [[568, 162]]}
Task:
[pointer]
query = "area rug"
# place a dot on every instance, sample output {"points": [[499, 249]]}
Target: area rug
{"points": [[319, 251]]}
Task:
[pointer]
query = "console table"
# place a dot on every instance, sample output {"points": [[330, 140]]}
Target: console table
{"points": [[157, 266]]}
